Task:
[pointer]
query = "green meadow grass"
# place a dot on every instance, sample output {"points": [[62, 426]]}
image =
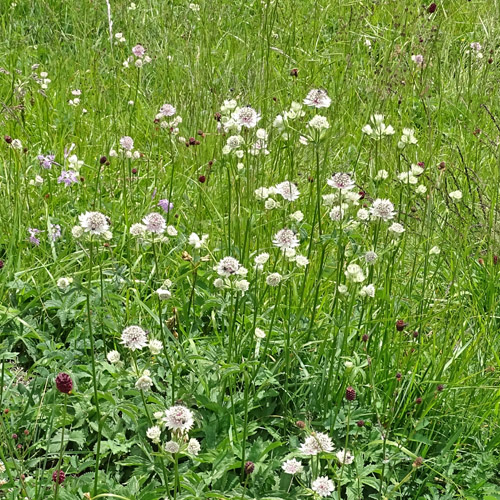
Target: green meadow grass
{"points": [[424, 423]]}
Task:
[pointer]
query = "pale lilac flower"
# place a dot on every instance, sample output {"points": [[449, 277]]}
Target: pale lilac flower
{"points": [[55, 232], [323, 486], [167, 110], [317, 98], [46, 161], [138, 51], [67, 178], [292, 466], [33, 231], [227, 267], [166, 205], [127, 143]]}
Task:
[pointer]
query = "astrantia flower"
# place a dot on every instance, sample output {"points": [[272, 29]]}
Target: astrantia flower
{"points": [[138, 50], [288, 190], [363, 214], [137, 229], [292, 466], [262, 193], [193, 447], [163, 293], [456, 195], [345, 457], [270, 204], [196, 241], [246, 117], [227, 267], [113, 357], [172, 447], [382, 209], [167, 110], [316, 443], [435, 250], [273, 279], [397, 228], [323, 486], [242, 286], [317, 98], [155, 223], [155, 346], [336, 214], [408, 137], [301, 260], [144, 382], [285, 238], [94, 223], [154, 433], [318, 122], [261, 259], [64, 283], [378, 129], [259, 333], [418, 59], [127, 143], [355, 273], [370, 257], [178, 419], [297, 216], [367, 291], [134, 337], [341, 181]]}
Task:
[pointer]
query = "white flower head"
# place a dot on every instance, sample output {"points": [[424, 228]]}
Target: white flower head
{"points": [[382, 209], [341, 181], [288, 190], [318, 122], [172, 447], [193, 447], [456, 195], [178, 419], [94, 223], [285, 238], [155, 223], [154, 433], [316, 443], [113, 357], [292, 466], [155, 346], [323, 486], [273, 279], [345, 457], [134, 337], [317, 98]]}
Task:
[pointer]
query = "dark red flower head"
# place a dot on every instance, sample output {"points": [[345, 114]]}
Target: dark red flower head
{"points": [[64, 383], [249, 468], [350, 394], [400, 325], [58, 476], [202, 178], [432, 8]]}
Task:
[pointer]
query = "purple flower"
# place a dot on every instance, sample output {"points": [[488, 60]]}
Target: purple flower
{"points": [[33, 239], [55, 231], [46, 161], [153, 194], [138, 50], [166, 205], [68, 177]]}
